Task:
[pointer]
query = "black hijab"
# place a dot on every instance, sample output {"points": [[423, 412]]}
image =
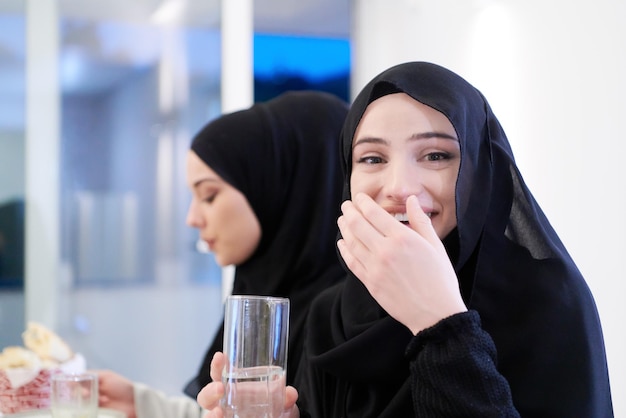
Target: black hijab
{"points": [[512, 268], [283, 155]]}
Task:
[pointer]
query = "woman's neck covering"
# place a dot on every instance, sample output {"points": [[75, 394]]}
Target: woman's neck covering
{"points": [[283, 155], [512, 269]]}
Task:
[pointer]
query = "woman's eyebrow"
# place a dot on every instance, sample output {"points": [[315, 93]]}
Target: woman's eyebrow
{"points": [[427, 135], [370, 140], [421, 135], [203, 180]]}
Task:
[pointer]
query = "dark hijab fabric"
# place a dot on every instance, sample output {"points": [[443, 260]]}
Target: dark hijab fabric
{"points": [[283, 156], [512, 268]]}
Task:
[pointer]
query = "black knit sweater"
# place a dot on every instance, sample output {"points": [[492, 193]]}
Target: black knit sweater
{"points": [[454, 374]]}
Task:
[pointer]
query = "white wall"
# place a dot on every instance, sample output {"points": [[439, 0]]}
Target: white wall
{"points": [[553, 73]]}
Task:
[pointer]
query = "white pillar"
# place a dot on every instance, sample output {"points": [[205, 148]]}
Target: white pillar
{"points": [[42, 243], [237, 77]]}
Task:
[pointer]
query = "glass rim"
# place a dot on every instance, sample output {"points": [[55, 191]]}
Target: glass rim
{"points": [[258, 297], [74, 377]]}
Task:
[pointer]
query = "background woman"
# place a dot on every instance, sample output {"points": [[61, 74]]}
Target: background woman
{"points": [[266, 186]]}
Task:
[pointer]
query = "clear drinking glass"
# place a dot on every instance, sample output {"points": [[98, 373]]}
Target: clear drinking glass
{"points": [[74, 395], [256, 335]]}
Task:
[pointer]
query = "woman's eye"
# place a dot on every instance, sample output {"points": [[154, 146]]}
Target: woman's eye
{"points": [[210, 198], [370, 159], [437, 156]]}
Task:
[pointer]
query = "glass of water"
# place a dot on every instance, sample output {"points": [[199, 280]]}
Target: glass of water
{"points": [[74, 395], [256, 335]]}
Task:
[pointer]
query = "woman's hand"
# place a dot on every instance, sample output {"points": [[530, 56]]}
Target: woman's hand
{"points": [[406, 269], [210, 395], [116, 392]]}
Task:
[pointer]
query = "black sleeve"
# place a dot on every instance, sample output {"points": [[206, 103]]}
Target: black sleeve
{"points": [[453, 371]]}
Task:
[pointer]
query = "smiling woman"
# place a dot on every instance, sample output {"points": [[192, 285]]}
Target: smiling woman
{"points": [[463, 312], [473, 304], [403, 148]]}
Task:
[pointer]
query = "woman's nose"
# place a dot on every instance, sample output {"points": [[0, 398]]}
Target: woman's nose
{"points": [[402, 181], [194, 218]]}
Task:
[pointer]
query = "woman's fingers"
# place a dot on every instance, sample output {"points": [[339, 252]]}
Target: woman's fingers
{"points": [[363, 226], [210, 395], [291, 396], [405, 268], [367, 234], [375, 216], [420, 222], [217, 365]]}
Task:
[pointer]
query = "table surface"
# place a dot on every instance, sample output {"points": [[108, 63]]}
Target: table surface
{"points": [[45, 413]]}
